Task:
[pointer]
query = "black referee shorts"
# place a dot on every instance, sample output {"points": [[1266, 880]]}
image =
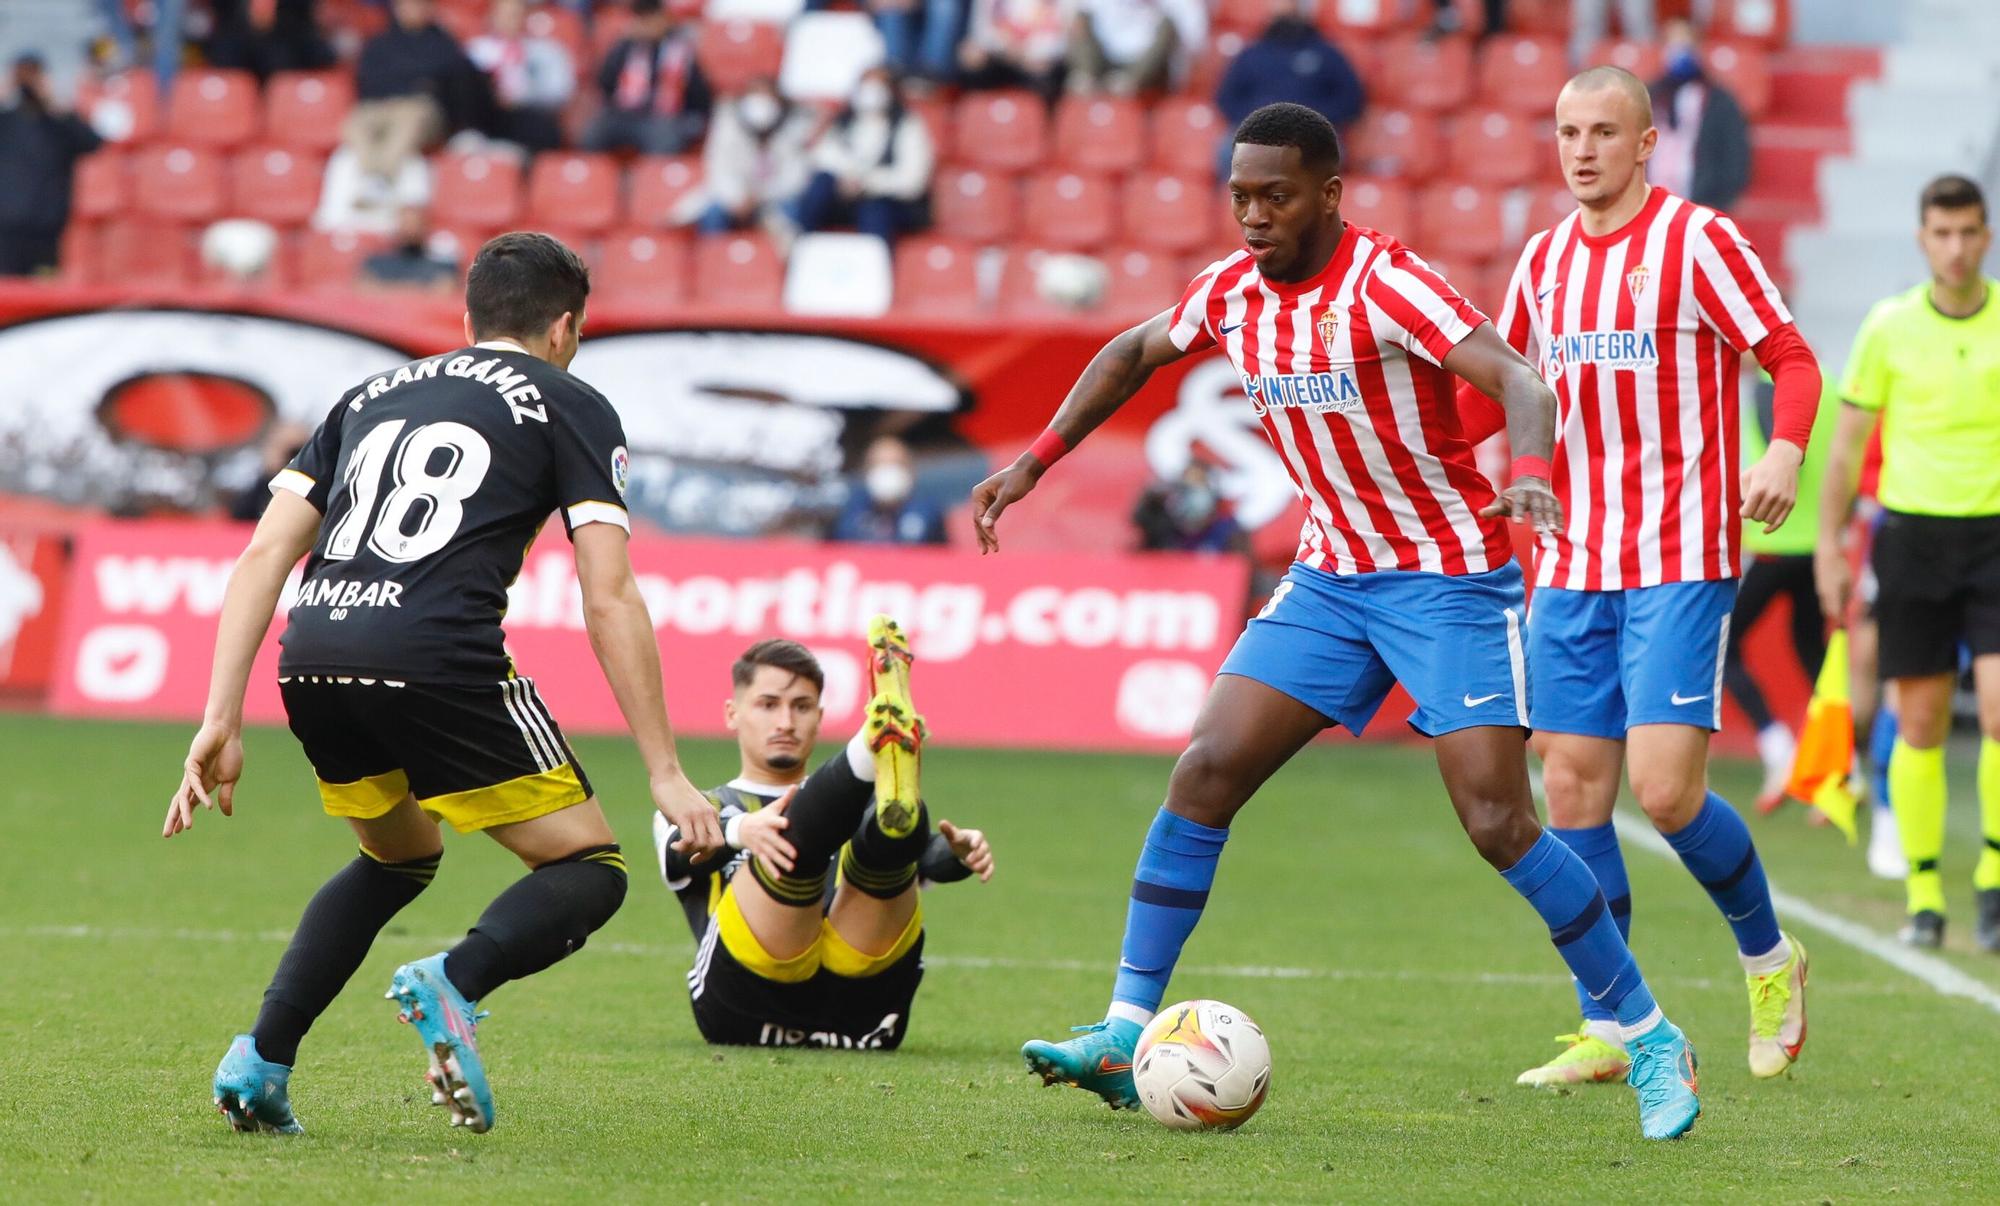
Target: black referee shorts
{"points": [[1937, 589]]}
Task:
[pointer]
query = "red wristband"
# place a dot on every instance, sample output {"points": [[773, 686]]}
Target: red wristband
{"points": [[1531, 466], [1048, 447]]}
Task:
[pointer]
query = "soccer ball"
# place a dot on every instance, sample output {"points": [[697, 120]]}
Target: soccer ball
{"points": [[1202, 1066]]}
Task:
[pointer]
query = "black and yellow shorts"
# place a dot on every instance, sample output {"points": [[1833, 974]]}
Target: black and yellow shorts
{"points": [[831, 995], [1937, 588], [474, 756]]}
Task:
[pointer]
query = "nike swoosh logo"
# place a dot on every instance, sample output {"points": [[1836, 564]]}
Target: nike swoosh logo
{"points": [[1106, 1065], [1470, 702], [1226, 329], [1737, 916], [1679, 700], [1599, 996], [1544, 293]]}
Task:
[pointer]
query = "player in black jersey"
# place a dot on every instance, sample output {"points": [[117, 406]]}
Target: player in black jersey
{"points": [[786, 959], [418, 498]]}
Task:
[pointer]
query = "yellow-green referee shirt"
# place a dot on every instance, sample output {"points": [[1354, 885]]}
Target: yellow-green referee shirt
{"points": [[1936, 382]]}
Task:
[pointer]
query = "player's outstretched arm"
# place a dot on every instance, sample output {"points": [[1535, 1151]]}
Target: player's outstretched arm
{"points": [[1117, 372], [1489, 365], [1832, 576], [215, 759], [621, 634]]}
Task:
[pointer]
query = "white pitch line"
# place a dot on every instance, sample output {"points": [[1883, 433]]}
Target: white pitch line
{"points": [[1929, 969]]}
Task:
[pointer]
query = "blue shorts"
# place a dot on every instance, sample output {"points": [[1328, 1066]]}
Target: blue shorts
{"points": [[1605, 660], [1338, 642]]}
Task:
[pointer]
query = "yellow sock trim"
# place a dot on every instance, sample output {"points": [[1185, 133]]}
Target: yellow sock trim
{"points": [[1987, 874], [1917, 791]]}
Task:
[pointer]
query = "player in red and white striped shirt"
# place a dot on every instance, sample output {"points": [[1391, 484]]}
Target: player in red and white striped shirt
{"points": [[1348, 344], [1639, 307]]}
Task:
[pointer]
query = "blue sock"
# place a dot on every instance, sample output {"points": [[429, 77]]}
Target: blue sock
{"points": [[1717, 850], [1563, 891], [1176, 867], [1881, 743], [1598, 848]]}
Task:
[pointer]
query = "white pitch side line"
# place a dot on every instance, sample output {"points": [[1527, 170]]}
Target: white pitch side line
{"points": [[1929, 969]]}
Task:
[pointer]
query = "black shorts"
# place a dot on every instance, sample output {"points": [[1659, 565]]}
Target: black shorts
{"points": [[735, 1006], [475, 756], [1937, 588]]}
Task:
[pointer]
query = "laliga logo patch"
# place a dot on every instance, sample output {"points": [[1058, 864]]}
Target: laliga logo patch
{"points": [[621, 468], [1635, 282]]}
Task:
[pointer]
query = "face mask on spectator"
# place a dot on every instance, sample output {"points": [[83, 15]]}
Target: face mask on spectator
{"points": [[1683, 64], [889, 483], [760, 111], [871, 97]]}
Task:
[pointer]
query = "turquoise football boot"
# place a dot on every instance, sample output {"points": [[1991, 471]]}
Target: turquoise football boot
{"points": [[1663, 1074], [447, 1024], [1098, 1060], [251, 1091]]}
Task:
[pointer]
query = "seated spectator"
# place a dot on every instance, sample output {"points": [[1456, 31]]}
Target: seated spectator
{"points": [[39, 147], [1188, 516], [920, 37], [1704, 150], [267, 36], [413, 86], [532, 79], [1017, 44], [755, 160], [360, 202], [1290, 61], [412, 263], [885, 509], [1590, 23], [872, 166], [656, 98], [1131, 46]]}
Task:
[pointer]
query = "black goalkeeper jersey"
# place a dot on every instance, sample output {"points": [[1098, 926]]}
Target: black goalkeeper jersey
{"points": [[433, 480]]}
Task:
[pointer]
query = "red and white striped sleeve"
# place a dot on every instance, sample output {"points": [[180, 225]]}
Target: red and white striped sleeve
{"points": [[1426, 315], [1189, 323], [1732, 291], [1517, 306]]}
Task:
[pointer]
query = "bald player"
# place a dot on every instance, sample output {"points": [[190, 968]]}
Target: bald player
{"points": [[1638, 309]]}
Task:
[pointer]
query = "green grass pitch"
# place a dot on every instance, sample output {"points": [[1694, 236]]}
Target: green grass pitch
{"points": [[1401, 983]]}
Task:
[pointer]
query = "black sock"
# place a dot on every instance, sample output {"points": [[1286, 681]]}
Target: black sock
{"points": [[881, 865], [821, 817], [544, 916], [334, 934]]}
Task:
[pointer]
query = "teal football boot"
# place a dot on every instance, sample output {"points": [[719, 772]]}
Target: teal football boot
{"points": [[447, 1023], [251, 1091], [1098, 1060], [1663, 1074]]}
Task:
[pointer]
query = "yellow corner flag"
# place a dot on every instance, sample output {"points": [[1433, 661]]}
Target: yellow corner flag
{"points": [[1826, 746]]}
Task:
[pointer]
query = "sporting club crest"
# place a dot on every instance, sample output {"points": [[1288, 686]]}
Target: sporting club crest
{"points": [[1329, 326], [1636, 281]]}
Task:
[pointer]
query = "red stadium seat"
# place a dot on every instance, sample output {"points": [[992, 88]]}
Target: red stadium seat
{"points": [[146, 253], [214, 108], [1143, 283], [1071, 210], [282, 272], [307, 108], [476, 190], [1495, 146], [1367, 16], [643, 267], [1100, 134], [1551, 17], [937, 278], [1247, 17], [102, 186], [1460, 222], [936, 114], [1385, 206], [330, 260], [657, 183], [1425, 73], [738, 272], [1485, 286], [1005, 130], [78, 260], [1640, 58], [1745, 70], [1185, 132], [123, 108], [1522, 73], [1020, 293], [276, 184], [1176, 213], [732, 53], [1398, 144], [1765, 22], [1548, 206], [1211, 62], [578, 192], [984, 207], [183, 183]]}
